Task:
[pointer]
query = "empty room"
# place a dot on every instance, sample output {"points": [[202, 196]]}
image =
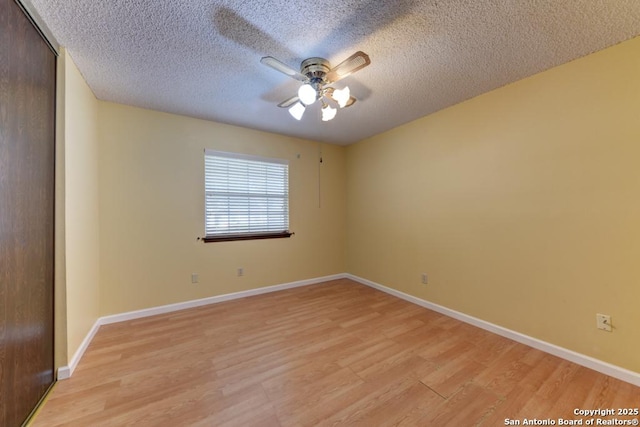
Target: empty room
{"points": [[270, 213]]}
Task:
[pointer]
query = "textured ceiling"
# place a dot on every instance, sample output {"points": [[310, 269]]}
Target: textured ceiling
{"points": [[201, 58]]}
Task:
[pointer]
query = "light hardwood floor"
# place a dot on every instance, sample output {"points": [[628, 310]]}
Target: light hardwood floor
{"points": [[337, 353]]}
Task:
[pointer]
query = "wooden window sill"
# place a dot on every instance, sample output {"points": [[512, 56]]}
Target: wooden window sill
{"points": [[246, 236]]}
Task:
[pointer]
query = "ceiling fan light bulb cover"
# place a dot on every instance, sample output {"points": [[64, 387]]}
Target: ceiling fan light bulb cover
{"points": [[297, 110], [342, 96], [328, 113], [307, 94]]}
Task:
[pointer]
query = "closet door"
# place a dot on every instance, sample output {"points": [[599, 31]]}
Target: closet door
{"points": [[27, 131]]}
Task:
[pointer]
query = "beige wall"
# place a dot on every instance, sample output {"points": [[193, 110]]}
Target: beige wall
{"points": [[78, 284], [152, 210], [60, 286], [522, 205]]}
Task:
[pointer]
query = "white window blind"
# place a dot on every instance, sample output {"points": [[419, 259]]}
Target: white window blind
{"points": [[245, 194]]}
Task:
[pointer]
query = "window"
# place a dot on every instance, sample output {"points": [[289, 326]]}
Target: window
{"points": [[246, 197]]}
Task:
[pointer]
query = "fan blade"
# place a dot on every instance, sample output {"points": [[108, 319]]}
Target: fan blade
{"points": [[272, 62], [350, 102], [288, 102], [355, 62]]}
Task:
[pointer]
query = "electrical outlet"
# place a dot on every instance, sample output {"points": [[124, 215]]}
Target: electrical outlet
{"points": [[194, 277], [240, 272], [424, 278], [603, 322]]}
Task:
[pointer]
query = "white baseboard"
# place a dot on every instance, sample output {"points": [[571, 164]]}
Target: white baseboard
{"points": [[65, 372], [115, 318], [572, 356], [614, 371]]}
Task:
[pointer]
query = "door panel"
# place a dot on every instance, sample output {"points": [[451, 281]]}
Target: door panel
{"points": [[27, 132]]}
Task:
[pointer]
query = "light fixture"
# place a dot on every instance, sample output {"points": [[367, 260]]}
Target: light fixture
{"points": [[317, 77], [328, 113], [307, 94], [341, 96], [297, 110]]}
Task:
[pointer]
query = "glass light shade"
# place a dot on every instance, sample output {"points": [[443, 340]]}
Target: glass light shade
{"points": [[328, 113], [342, 96], [297, 110], [307, 94]]}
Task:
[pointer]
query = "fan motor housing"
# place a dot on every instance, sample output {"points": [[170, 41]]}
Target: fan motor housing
{"points": [[315, 68]]}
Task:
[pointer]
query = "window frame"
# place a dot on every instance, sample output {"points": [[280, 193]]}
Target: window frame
{"points": [[245, 235]]}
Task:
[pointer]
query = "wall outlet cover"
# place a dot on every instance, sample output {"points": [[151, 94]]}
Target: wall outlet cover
{"points": [[603, 321]]}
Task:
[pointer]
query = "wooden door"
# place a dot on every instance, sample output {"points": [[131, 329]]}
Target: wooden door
{"points": [[27, 131]]}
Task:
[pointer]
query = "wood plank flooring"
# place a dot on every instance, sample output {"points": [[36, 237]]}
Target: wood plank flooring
{"points": [[337, 353]]}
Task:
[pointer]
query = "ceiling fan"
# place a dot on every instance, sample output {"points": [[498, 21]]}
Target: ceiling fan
{"points": [[317, 75]]}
